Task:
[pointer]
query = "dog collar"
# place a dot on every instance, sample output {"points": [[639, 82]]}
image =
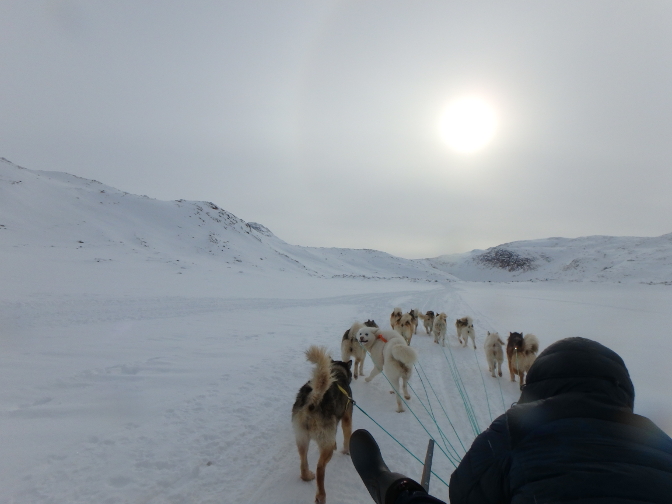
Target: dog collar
{"points": [[380, 337]]}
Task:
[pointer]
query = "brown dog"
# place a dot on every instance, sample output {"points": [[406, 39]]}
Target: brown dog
{"points": [[521, 353], [320, 405], [395, 318]]}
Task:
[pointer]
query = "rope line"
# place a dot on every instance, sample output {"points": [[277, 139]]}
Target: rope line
{"points": [[416, 417], [430, 412], [444, 412], [413, 413], [463, 392], [443, 437], [399, 443], [480, 371], [500, 390]]}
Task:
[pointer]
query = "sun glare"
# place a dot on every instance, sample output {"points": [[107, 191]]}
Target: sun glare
{"points": [[467, 124]]}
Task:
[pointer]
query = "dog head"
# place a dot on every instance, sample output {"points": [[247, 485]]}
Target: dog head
{"points": [[342, 367], [494, 337], [370, 323], [515, 341], [367, 336], [442, 316], [430, 314]]}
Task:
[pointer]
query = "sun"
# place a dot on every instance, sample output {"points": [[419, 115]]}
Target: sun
{"points": [[467, 124]]}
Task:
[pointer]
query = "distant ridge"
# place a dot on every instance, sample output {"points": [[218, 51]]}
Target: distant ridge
{"points": [[590, 258], [65, 213], [74, 217]]}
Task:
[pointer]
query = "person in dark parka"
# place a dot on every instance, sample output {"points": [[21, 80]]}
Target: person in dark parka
{"points": [[572, 437]]}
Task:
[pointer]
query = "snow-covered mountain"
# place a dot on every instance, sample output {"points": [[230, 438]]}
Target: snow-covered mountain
{"points": [[591, 258], [65, 213]]}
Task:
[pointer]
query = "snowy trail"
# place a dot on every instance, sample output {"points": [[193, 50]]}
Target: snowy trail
{"points": [[159, 398], [183, 399]]}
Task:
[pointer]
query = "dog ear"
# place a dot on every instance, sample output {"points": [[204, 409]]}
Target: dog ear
{"points": [[349, 364]]}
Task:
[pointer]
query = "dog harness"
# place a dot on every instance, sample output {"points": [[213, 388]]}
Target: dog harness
{"points": [[380, 337], [345, 392]]}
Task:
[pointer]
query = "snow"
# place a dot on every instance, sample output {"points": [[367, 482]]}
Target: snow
{"points": [[152, 350], [591, 258]]}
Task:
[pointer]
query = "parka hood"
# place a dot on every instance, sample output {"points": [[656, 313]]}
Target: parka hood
{"points": [[579, 365]]}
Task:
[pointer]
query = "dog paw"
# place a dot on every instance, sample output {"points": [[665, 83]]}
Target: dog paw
{"points": [[345, 451], [407, 397], [367, 379], [400, 410], [308, 476], [320, 498]]}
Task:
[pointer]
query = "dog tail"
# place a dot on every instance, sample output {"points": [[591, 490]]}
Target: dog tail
{"points": [[405, 354], [531, 344], [352, 332], [322, 377]]}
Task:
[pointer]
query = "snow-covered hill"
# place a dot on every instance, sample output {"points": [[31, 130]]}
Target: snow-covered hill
{"points": [[150, 351], [65, 213], [592, 258]]}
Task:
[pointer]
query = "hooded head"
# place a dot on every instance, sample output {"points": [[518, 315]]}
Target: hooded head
{"points": [[579, 365]]}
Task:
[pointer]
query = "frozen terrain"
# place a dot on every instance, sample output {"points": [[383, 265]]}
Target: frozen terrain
{"points": [[151, 351], [586, 259]]}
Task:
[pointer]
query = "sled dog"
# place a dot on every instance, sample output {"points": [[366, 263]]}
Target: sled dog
{"points": [[323, 402], [427, 321], [494, 353], [439, 328], [465, 330], [521, 353], [350, 347], [395, 318], [406, 327], [415, 315], [392, 355]]}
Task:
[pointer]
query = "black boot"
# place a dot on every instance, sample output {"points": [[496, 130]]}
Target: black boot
{"points": [[383, 485]]}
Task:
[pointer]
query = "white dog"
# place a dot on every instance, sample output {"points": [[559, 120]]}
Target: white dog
{"points": [[439, 329], [392, 355], [465, 329], [494, 353], [350, 347]]}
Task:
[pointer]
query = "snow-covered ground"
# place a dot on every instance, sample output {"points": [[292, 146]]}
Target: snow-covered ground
{"points": [[151, 351]]}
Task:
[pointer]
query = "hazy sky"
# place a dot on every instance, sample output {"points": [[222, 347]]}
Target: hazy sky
{"points": [[319, 119]]}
